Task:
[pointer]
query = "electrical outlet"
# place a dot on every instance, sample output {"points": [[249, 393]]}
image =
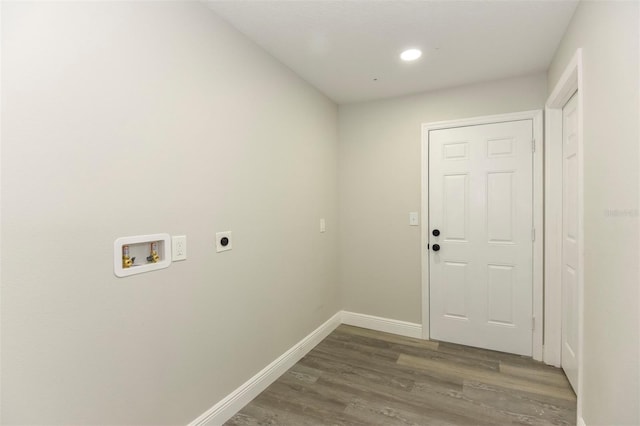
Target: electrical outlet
{"points": [[179, 247], [223, 241]]}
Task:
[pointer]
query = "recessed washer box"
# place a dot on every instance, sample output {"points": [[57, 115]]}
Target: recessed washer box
{"points": [[141, 253], [223, 241]]}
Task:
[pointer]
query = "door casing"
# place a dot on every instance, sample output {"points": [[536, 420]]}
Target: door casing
{"points": [[536, 117]]}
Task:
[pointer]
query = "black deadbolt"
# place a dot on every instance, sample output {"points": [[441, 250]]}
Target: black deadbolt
{"points": [[435, 232], [224, 241], [436, 247]]}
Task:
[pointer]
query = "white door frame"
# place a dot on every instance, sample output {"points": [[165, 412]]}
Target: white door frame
{"points": [[536, 117], [569, 83]]}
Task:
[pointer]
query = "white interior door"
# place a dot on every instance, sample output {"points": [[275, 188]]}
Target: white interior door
{"points": [[570, 241], [480, 201]]}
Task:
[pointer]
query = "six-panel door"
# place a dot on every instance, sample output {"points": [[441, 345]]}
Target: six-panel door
{"points": [[480, 199], [570, 241]]}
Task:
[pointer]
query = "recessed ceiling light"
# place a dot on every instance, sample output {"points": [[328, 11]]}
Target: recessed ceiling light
{"points": [[410, 54]]}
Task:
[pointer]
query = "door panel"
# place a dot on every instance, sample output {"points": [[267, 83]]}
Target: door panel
{"points": [[500, 294], [455, 274], [570, 240], [500, 207], [480, 198], [455, 195]]}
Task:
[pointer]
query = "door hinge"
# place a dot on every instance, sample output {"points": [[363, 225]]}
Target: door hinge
{"points": [[533, 234], [533, 323], [533, 145]]}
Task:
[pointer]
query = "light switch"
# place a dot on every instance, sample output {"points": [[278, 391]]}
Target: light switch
{"points": [[413, 218], [323, 225]]}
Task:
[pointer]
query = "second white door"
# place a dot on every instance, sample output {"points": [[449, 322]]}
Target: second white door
{"points": [[570, 241], [480, 235]]}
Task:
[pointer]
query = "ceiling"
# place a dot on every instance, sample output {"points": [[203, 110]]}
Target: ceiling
{"points": [[349, 49]]}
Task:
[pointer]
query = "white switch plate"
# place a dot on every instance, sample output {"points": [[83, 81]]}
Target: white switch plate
{"points": [[179, 247], [413, 218], [323, 225], [219, 246]]}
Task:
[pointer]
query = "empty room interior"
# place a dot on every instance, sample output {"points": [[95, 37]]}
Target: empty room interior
{"points": [[320, 212]]}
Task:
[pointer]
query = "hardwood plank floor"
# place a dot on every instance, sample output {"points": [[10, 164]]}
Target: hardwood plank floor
{"points": [[362, 377]]}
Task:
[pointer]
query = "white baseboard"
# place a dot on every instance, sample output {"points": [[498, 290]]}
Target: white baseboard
{"points": [[232, 403], [402, 328]]}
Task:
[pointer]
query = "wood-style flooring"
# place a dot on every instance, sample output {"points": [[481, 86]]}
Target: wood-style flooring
{"points": [[362, 377]]}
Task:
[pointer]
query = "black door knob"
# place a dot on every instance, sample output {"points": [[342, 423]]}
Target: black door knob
{"points": [[436, 247], [435, 232]]}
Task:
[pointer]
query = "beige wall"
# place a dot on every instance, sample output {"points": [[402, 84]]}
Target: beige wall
{"points": [[608, 33], [379, 184], [128, 118]]}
